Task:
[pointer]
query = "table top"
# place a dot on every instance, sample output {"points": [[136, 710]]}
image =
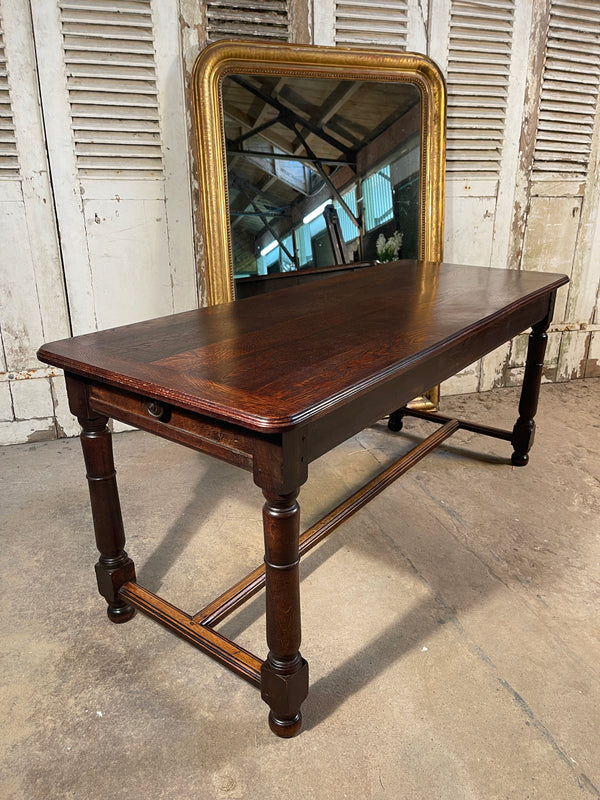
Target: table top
{"points": [[272, 362]]}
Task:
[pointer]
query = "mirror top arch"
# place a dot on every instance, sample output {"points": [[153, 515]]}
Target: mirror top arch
{"points": [[280, 61]]}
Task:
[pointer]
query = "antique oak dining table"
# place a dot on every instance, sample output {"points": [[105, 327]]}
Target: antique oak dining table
{"points": [[271, 383]]}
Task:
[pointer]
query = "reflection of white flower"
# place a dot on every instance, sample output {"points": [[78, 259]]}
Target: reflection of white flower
{"points": [[388, 250]]}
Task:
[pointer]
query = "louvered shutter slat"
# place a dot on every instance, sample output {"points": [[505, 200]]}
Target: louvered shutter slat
{"points": [[114, 100], [554, 124], [576, 53], [116, 6], [88, 70], [570, 84], [371, 23], [111, 80], [100, 125], [479, 53], [114, 112], [9, 161], [563, 75], [124, 85], [99, 45], [72, 17], [234, 19]]}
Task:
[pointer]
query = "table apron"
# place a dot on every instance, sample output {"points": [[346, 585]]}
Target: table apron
{"points": [[213, 437], [321, 435]]}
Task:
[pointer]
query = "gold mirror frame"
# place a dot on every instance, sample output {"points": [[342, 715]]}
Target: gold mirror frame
{"points": [[249, 58]]}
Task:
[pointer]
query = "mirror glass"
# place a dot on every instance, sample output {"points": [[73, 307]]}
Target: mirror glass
{"points": [[320, 172], [312, 161]]}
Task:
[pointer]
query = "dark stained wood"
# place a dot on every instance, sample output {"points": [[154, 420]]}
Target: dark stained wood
{"points": [[524, 430], [284, 673], [269, 384], [261, 284], [273, 362], [114, 567], [226, 442], [233, 598], [463, 424], [214, 644]]}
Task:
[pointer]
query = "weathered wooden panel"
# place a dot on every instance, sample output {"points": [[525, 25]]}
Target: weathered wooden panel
{"points": [[6, 408], [111, 83], [22, 331], [493, 368], [592, 367], [66, 423], [464, 382], [32, 398], [516, 363], [129, 258], [550, 238], [574, 350], [469, 230], [31, 430], [9, 158], [569, 89]]}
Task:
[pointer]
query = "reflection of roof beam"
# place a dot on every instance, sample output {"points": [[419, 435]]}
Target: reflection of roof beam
{"points": [[254, 131], [330, 184], [290, 118], [266, 160], [336, 100], [265, 163], [271, 136], [247, 187], [388, 145], [231, 148], [244, 186], [273, 232], [271, 213], [327, 111]]}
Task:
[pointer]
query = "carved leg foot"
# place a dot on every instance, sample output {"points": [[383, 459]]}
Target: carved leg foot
{"points": [[395, 421], [114, 567], [523, 433], [284, 674]]}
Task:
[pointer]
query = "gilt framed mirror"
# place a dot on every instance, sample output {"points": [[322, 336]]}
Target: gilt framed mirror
{"points": [[314, 159]]}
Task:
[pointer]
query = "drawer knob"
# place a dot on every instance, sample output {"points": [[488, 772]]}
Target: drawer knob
{"points": [[154, 409]]}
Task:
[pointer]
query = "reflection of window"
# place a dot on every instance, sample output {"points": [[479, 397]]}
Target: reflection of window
{"points": [[303, 245], [275, 259], [304, 236], [377, 199], [306, 233], [349, 229]]}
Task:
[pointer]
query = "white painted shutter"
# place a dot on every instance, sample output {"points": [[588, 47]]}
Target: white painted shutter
{"points": [[375, 23], [227, 19], [479, 55], [569, 90], [9, 161], [111, 81], [32, 298]]}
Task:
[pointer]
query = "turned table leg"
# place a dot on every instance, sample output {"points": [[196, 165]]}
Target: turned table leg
{"points": [[284, 674], [524, 429], [114, 568]]}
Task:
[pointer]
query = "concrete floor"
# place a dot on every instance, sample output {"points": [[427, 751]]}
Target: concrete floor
{"points": [[451, 627]]}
